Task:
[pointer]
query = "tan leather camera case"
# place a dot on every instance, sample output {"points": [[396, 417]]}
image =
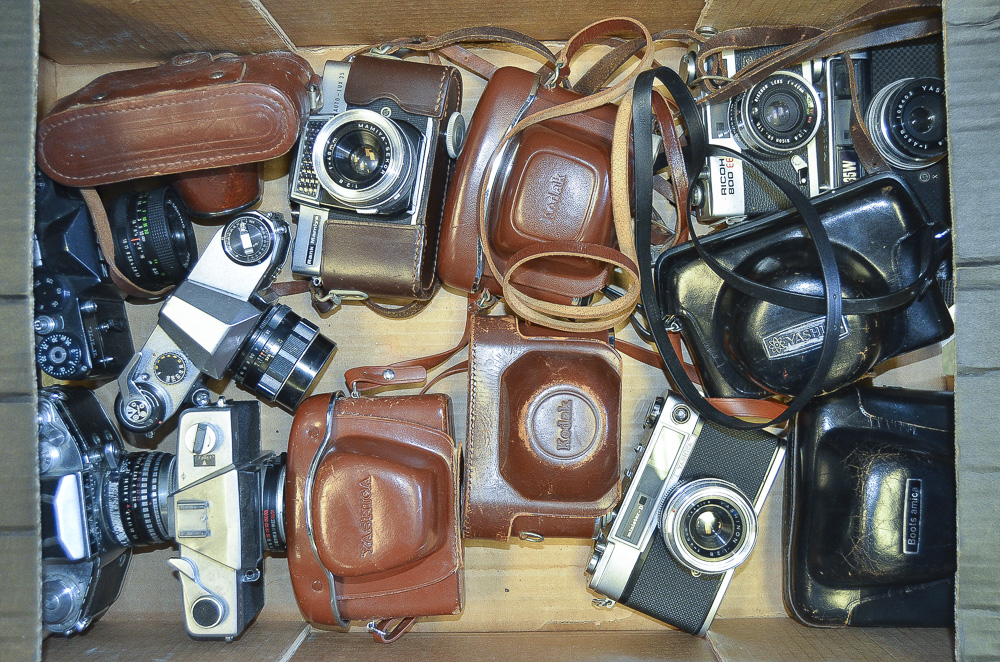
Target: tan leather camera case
{"points": [[543, 446], [558, 189], [384, 508]]}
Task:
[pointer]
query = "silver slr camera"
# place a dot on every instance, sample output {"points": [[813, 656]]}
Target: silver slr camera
{"points": [[223, 318], [219, 498], [688, 517]]}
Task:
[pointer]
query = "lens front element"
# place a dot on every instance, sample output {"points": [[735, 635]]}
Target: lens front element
{"points": [[907, 122], [779, 115]]}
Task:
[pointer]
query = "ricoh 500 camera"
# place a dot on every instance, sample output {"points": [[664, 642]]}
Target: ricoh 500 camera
{"points": [[370, 176], [797, 125], [222, 318], [688, 517], [81, 330], [219, 498]]}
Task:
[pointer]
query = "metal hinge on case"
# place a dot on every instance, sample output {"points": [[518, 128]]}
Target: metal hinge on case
{"points": [[603, 603], [529, 536]]}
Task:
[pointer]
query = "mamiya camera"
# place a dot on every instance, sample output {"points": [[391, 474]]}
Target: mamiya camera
{"points": [[688, 517], [222, 318], [796, 124], [370, 176], [81, 330], [220, 498]]}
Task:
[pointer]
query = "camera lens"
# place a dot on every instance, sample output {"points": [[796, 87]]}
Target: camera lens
{"points": [[155, 245], [778, 115], [364, 160], [709, 525], [137, 499], [272, 504], [282, 357], [907, 122]]}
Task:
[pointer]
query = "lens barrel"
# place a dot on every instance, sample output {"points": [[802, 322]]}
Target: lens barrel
{"points": [[137, 504], [155, 245], [778, 115], [907, 122], [282, 357], [272, 504]]}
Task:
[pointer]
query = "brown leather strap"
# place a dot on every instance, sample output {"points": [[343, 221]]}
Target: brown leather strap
{"points": [[469, 60], [453, 370], [876, 23], [480, 34], [402, 312], [602, 71], [748, 409], [102, 226], [321, 300], [864, 146], [381, 633]]}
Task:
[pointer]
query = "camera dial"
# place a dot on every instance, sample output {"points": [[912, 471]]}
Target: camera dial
{"points": [[907, 122], [709, 526], [778, 115]]}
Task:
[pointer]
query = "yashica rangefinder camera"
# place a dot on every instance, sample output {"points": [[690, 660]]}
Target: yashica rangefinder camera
{"points": [[223, 318], [81, 330], [796, 123], [220, 498], [688, 517], [370, 176]]}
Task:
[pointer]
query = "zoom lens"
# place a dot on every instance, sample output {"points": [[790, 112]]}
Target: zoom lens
{"points": [[709, 526], [137, 504], [272, 504], [778, 115], [282, 357], [907, 122], [364, 160], [155, 246]]}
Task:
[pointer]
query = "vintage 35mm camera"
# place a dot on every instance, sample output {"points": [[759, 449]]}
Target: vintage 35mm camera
{"points": [[220, 498], [688, 517], [370, 176], [222, 318], [81, 330], [797, 125]]}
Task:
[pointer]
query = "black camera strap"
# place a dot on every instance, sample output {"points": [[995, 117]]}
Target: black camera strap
{"points": [[694, 157]]}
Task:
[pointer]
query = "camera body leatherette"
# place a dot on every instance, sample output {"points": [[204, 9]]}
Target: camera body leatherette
{"points": [[555, 187], [870, 510], [543, 444], [384, 509], [393, 259]]}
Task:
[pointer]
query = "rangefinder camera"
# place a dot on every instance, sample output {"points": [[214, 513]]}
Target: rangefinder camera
{"points": [[223, 318], [796, 124], [688, 518], [372, 168], [219, 498]]}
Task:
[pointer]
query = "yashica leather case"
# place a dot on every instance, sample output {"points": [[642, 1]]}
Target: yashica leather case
{"points": [[384, 508], [556, 188], [543, 445]]}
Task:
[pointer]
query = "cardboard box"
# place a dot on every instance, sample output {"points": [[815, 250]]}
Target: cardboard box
{"points": [[523, 599]]}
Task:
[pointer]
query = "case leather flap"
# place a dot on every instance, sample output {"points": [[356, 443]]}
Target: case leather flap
{"points": [[416, 87], [543, 448], [398, 267], [195, 112]]}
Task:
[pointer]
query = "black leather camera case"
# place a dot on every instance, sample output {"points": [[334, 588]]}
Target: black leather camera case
{"points": [[870, 510]]}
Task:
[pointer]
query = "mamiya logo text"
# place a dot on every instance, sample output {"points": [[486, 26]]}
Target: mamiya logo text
{"points": [[554, 195], [799, 339], [564, 441], [367, 542]]}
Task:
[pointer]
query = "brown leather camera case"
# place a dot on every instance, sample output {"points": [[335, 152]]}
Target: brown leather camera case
{"points": [[384, 509], [558, 189], [543, 447]]}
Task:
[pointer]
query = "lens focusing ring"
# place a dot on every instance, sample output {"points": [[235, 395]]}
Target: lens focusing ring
{"points": [[155, 244], [282, 357], [136, 500], [272, 504], [709, 526], [794, 97], [887, 116]]}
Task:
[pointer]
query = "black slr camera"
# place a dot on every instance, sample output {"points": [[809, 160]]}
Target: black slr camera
{"points": [[688, 517], [81, 330], [796, 124], [219, 498], [372, 167]]}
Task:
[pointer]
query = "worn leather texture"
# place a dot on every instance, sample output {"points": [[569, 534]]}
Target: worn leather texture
{"points": [[746, 347], [220, 191], [194, 112], [385, 509], [395, 259], [543, 445], [870, 510], [558, 189]]}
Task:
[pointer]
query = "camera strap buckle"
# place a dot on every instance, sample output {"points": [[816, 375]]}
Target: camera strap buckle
{"points": [[672, 324], [603, 603], [554, 76]]}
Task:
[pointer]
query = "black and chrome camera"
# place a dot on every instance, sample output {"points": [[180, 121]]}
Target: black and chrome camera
{"points": [[371, 173], [796, 124], [220, 498], [81, 329], [223, 318], [688, 517]]}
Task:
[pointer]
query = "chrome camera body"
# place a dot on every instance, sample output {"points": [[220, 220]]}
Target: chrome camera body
{"points": [[688, 517]]}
